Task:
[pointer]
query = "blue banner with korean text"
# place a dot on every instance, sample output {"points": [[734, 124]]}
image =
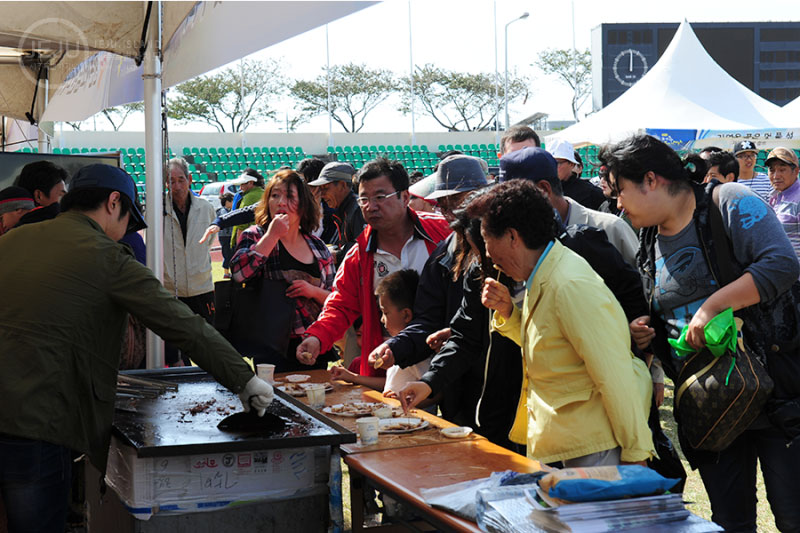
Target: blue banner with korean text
{"points": [[678, 140]]}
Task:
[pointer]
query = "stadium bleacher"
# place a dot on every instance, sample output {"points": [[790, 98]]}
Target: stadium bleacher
{"points": [[209, 164]]}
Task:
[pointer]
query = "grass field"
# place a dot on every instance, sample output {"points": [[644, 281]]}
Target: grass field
{"points": [[694, 491]]}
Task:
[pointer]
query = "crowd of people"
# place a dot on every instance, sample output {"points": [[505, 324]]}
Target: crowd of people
{"points": [[533, 306]]}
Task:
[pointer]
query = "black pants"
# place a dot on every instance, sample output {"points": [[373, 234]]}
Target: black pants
{"points": [[731, 482], [203, 305], [34, 484]]}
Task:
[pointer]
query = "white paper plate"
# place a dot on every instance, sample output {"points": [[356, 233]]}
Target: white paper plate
{"points": [[364, 409], [458, 432], [299, 389], [297, 378], [390, 425]]}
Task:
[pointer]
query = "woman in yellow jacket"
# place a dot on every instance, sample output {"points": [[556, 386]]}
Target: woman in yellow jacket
{"points": [[585, 397]]}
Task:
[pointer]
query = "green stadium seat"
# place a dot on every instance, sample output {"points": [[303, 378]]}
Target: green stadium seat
{"points": [[339, 150], [140, 151], [331, 149]]}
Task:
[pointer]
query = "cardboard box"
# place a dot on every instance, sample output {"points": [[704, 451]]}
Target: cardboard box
{"points": [[207, 482]]}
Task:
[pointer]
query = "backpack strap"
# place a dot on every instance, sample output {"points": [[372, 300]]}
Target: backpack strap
{"points": [[721, 243]]}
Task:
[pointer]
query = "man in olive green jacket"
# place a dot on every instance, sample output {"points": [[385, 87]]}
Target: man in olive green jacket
{"points": [[67, 286]]}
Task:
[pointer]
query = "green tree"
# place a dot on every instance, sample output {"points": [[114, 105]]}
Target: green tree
{"points": [[574, 68], [231, 100], [117, 116], [460, 101], [355, 91]]}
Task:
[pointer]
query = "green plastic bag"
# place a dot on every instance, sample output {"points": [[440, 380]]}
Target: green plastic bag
{"points": [[721, 335]]}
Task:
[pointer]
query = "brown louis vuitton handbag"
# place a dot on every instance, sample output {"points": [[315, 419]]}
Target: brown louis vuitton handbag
{"points": [[717, 398]]}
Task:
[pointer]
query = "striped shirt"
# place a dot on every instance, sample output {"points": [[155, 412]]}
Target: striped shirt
{"points": [[759, 184], [787, 207]]}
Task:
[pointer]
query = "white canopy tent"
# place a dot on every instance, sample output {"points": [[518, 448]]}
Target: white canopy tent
{"points": [[791, 112], [685, 90], [50, 46]]}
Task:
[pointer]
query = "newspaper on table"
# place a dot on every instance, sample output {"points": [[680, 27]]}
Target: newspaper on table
{"points": [[520, 509]]}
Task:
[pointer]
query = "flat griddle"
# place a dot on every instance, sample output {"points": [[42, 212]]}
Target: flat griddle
{"points": [[164, 426]]}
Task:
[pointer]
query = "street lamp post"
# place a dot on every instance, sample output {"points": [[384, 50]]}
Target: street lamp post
{"points": [[505, 87]]}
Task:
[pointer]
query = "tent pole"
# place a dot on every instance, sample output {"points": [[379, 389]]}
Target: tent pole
{"points": [[154, 214], [43, 129]]}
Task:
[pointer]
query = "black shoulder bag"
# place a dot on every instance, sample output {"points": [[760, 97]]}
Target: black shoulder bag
{"points": [[256, 317]]}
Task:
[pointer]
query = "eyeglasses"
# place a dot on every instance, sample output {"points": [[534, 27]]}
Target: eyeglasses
{"points": [[746, 155], [364, 201]]}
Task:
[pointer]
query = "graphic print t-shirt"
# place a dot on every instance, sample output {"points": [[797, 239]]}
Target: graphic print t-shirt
{"points": [[683, 278]]}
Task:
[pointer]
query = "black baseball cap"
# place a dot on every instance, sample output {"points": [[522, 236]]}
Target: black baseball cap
{"points": [[100, 176]]}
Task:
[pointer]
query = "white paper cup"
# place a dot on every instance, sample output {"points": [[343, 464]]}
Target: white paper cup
{"points": [[316, 395], [266, 372], [367, 429]]}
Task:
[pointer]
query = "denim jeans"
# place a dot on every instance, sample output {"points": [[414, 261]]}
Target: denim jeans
{"points": [[731, 483], [227, 251], [34, 484]]}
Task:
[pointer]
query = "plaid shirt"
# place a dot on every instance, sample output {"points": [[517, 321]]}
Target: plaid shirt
{"points": [[247, 264]]}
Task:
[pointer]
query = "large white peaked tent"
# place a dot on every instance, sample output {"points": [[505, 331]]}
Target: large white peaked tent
{"points": [[685, 90], [791, 112]]}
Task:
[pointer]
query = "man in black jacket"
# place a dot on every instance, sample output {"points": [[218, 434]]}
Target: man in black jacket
{"points": [[336, 182], [439, 295], [569, 169]]}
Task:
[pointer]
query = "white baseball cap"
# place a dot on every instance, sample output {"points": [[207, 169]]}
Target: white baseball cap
{"points": [[561, 149]]}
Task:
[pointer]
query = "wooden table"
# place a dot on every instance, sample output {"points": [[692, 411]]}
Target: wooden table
{"points": [[402, 472], [343, 392], [401, 465]]}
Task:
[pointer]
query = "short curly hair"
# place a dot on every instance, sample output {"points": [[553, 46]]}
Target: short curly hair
{"points": [[516, 204]]}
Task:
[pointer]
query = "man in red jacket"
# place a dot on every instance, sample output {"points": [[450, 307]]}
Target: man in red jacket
{"points": [[395, 238]]}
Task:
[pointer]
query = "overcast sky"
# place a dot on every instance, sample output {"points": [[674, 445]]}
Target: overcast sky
{"points": [[460, 35]]}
